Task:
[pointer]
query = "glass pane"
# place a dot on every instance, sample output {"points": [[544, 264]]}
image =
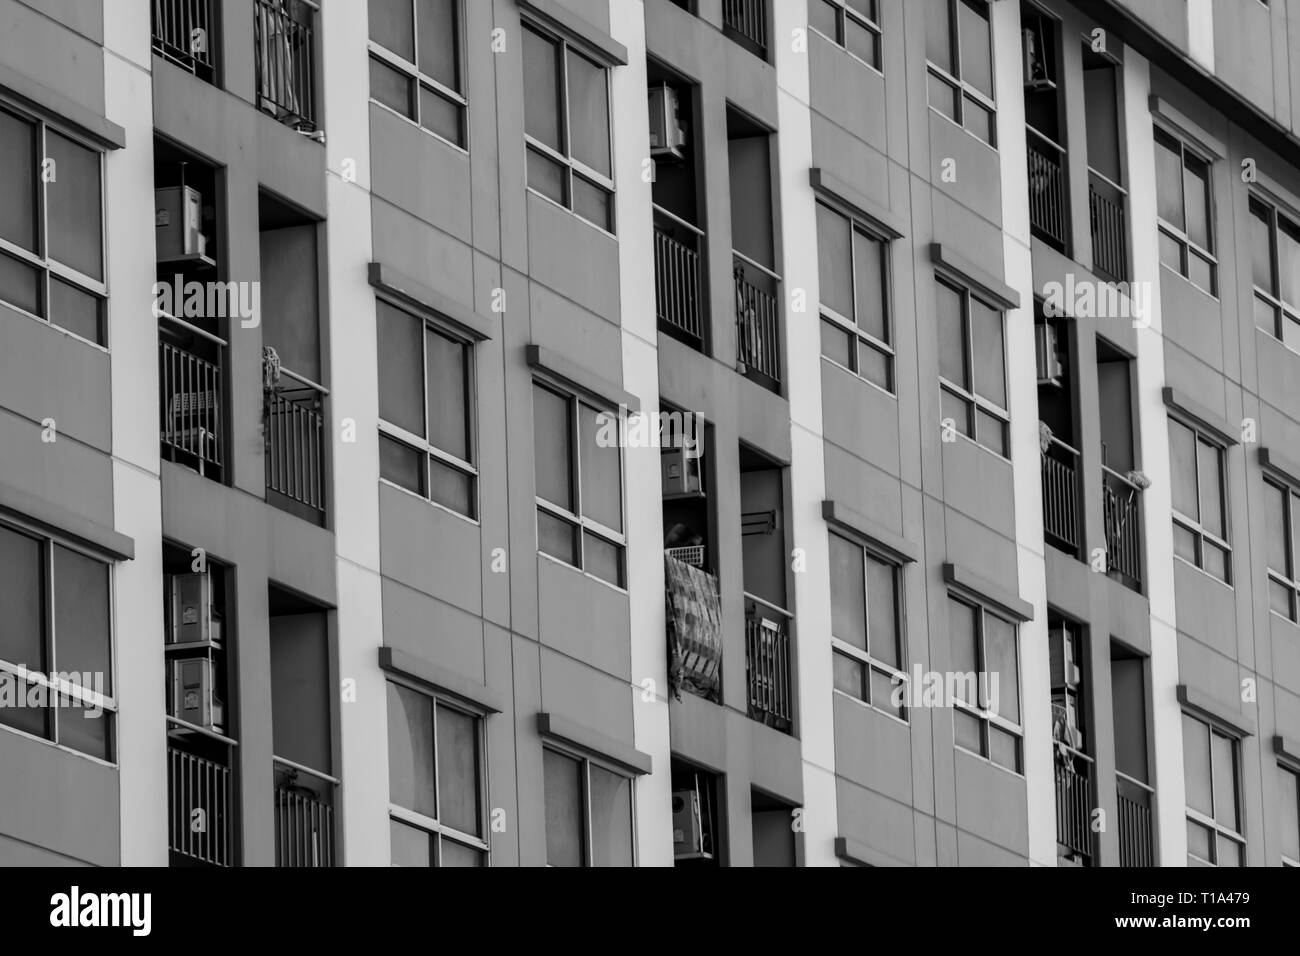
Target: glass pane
{"points": [[451, 487], [978, 120], [557, 538], [957, 410], [938, 34], [592, 203], [1196, 202], [834, 262], [552, 440], [1261, 249], [991, 432], [952, 339], [564, 812], [81, 618], [410, 750], [85, 729], [1229, 852], [401, 464], [848, 613], [603, 559], [410, 845], [20, 285], [541, 90], [439, 35], [601, 490], [865, 7], [861, 42], [452, 853], [943, 97], [1291, 331], [440, 115], [1185, 543], [1224, 751], [391, 27], [1169, 180], [588, 113], [1279, 599], [874, 365], [1266, 318], [547, 177], [74, 206], [883, 690], [611, 818], [1288, 259], [823, 16], [1182, 464], [458, 771], [1290, 813], [21, 601], [1276, 527], [849, 673], [391, 87], [882, 605], [447, 362], [76, 310], [1171, 252], [976, 49], [963, 652], [1000, 646], [1196, 765], [987, 348], [401, 369], [1199, 842], [837, 344], [868, 271], [1004, 748], [33, 716], [1210, 481], [966, 731], [1201, 272], [18, 169]]}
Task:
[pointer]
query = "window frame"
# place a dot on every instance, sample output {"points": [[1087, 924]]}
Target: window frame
{"points": [[1285, 315], [1198, 818], [849, 324], [1287, 577], [25, 676], [431, 826], [1292, 774], [868, 661], [588, 760], [414, 75], [423, 445], [972, 400], [988, 719], [49, 268], [845, 12], [1188, 248], [571, 165], [957, 83], [574, 401], [1193, 526]]}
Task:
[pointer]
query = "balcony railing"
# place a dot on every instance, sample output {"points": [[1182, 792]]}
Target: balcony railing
{"points": [[1074, 802], [758, 324], [1061, 495], [767, 663], [295, 440], [190, 395], [199, 825], [184, 32], [1109, 235], [1121, 500], [678, 302], [746, 21], [1047, 192], [284, 38], [1133, 805], [304, 815]]}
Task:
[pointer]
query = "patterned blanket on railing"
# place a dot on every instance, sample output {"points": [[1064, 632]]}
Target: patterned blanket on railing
{"points": [[694, 628]]}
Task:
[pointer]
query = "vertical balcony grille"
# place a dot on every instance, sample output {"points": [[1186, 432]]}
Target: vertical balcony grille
{"points": [[767, 663], [746, 20], [184, 32], [304, 817], [1133, 805], [295, 441], [283, 33], [1074, 802], [198, 793], [1109, 242], [1047, 191], [1120, 500], [678, 303], [190, 396], [1061, 495], [758, 331]]}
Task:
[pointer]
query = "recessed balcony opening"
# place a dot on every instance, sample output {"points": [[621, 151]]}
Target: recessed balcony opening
{"points": [[768, 621], [1061, 468], [1045, 131], [1122, 482], [773, 830], [698, 808], [1135, 797], [1071, 741], [284, 46], [753, 227], [1107, 197]]}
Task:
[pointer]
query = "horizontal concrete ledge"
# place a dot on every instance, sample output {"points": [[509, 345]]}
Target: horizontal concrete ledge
{"points": [[59, 522], [1281, 467], [871, 534], [1180, 125], [1215, 711], [858, 853], [1287, 749], [57, 107], [855, 203], [987, 593], [574, 375], [403, 664], [1200, 416], [413, 293], [980, 281], [593, 742], [596, 41]]}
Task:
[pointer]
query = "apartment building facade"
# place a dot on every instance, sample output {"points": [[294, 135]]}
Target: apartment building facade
{"points": [[721, 433]]}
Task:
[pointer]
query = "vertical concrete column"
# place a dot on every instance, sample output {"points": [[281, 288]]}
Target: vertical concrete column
{"points": [[1200, 32], [253, 674]]}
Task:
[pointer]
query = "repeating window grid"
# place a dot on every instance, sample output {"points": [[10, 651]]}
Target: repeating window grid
{"points": [[1285, 577], [572, 165], [982, 710], [41, 260], [851, 12], [966, 390], [961, 88], [849, 324], [1284, 315], [58, 688], [576, 518], [588, 836], [420, 79], [1210, 822], [869, 662], [1203, 536], [1187, 247]]}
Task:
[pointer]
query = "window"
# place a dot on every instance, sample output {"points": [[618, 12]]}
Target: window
{"points": [[415, 63], [435, 781], [1210, 765], [1185, 210], [852, 24], [1290, 814], [866, 629], [1200, 500], [566, 126], [56, 650], [972, 373], [985, 683], [579, 484], [854, 280], [51, 227], [426, 401], [1280, 515], [959, 51], [588, 812], [1275, 268]]}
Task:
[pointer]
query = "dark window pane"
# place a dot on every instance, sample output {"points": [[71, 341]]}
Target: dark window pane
{"points": [[85, 729], [1279, 599], [1214, 560], [1000, 646], [458, 771], [837, 344], [557, 538], [592, 203], [1171, 252], [967, 731], [410, 750], [541, 89], [1290, 803], [882, 605], [991, 432], [848, 613], [457, 854], [1261, 247], [848, 675], [1004, 748], [1275, 528], [438, 40], [868, 271], [865, 7], [18, 173], [1196, 191], [1224, 752], [451, 487], [976, 51], [20, 285], [1288, 259], [978, 119], [1266, 317], [823, 16], [1229, 852], [987, 347], [603, 559], [861, 42], [1201, 271], [1169, 181], [1182, 467], [1199, 841], [874, 365], [547, 176], [391, 27], [440, 115], [447, 363], [391, 87], [834, 262], [602, 481], [588, 113], [74, 206], [552, 441], [410, 845], [952, 340], [1196, 765], [943, 97], [76, 310], [957, 410], [611, 818], [938, 34], [883, 689], [21, 601], [1185, 543], [33, 716], [962, 643], [401, 369], [401, 464], [81, 617], [564, 812], [1209, 469]]}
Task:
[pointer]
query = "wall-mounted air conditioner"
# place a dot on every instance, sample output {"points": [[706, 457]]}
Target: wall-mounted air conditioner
{"points": [[193, 618], [177, 219], [1046, 354], [1064, 668], [191, 693], [680, 469], [667, 137], [1033, 44], [688, 826]]}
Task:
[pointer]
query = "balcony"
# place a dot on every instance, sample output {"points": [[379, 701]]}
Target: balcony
{"points": [[767, 663], [304, 816], [1106, 213], [1133, 806], [679, 304], [189, 379], [285, 61], [694, 612], [1061, 513], [745, 22], [758, 329], [184, 32], [294, 422], [1121, 500], [199, 798], [1047, 191], [1074, 803]]}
